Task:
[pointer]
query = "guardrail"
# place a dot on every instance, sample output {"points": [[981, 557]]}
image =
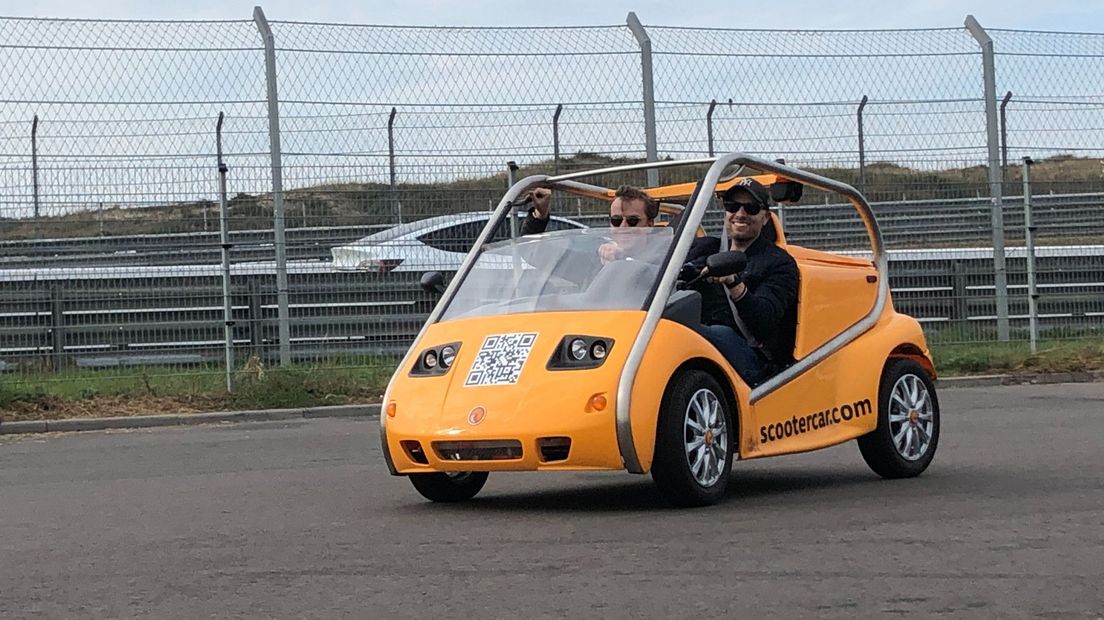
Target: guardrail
{"points": [[134, 317]]}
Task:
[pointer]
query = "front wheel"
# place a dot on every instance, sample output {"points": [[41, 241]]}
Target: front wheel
{"points": [[694, 441], [903, 444], [449, 487]]}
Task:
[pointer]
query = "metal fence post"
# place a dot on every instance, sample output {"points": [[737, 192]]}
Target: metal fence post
{"points": [[862, 143], [255, 318], [396, 204], [556, 152], [34, 172], [960, 310], [1004, 135], [277, 185], [511, 174], [224, 239], [995, 180], [57, 326], [709, 125], [556, 139], [1029, 241], [649, 94]]}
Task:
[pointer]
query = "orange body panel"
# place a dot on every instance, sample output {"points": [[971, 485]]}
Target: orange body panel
{"points": [[833, 296], [543, 403], [683, 190], [845, 381], [546, 403], [671, 346]]}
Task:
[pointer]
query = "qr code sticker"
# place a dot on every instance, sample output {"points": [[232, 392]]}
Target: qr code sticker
{"points": [[500, 359]]}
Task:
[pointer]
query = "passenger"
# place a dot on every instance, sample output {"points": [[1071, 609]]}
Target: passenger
{"points": [[631, 207], [764, 294]]}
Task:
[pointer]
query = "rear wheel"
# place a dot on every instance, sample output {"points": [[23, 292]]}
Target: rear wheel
{"points": [[694, 441], [449, 487], [903, 444]]}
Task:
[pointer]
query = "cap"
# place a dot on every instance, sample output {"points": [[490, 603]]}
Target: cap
{"points": [[752, 188]]}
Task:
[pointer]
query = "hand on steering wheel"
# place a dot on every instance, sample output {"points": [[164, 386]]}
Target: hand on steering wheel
{"points": [[609, 252]]}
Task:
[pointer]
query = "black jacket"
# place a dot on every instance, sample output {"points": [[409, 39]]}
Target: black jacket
{"points": [[768, 309], [532, 225]]}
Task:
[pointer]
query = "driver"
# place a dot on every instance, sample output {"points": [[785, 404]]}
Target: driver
{"points": [[764, 295]]}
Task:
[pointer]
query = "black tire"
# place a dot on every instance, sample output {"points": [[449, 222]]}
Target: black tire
{"points": [[893, 449], [672, 470], [451, 487]]}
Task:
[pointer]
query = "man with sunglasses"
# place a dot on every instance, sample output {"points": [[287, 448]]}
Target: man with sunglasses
{"points": [[631, 208], [763, 296]]}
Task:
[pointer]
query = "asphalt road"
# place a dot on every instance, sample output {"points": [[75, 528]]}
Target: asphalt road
{"points": [[301, 519]]}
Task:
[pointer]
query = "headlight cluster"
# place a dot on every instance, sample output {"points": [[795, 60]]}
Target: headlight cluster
{"points": [[436, 361], [577, 352]]}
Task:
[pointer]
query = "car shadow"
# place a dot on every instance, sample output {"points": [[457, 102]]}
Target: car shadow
{"points": [[640, 494]]}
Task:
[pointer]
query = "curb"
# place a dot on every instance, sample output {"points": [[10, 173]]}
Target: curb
{"points": [[152, 421], [1085, 376], [360, 411]]}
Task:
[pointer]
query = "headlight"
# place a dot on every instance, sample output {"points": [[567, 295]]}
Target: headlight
{"points": [[579, 352], [448, 356], [598, 350], [435, 361], [578, 349]]}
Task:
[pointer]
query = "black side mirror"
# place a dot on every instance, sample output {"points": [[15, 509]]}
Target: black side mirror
{"points": [[724, 264], [786, 191], [433, 282]]}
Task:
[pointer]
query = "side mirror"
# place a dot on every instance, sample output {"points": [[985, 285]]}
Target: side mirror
{"points": [[786, 191], [724, 264], [433, 282]]}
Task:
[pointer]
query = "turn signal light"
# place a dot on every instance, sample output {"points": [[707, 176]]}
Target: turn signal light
{"points": [[598, 402], [391, 409]]}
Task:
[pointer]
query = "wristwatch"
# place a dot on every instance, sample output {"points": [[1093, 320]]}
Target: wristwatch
{"points": [[731, 288]]}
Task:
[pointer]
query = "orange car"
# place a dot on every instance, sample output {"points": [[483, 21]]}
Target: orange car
{"points": [[540, 357]]}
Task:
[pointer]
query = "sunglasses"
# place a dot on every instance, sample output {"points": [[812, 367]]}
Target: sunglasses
{"points": [[632, 220], [750, 209]]}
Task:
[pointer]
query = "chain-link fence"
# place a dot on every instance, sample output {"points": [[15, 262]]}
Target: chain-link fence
{"points": [[109, 181]]}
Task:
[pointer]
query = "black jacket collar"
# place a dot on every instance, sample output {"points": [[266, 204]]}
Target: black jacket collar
{"points": [[758, 246]]}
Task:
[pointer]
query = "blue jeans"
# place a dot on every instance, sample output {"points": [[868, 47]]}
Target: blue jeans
{"points": [[740, 354]]}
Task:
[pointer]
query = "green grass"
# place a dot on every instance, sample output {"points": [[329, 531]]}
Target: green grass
{"points": [[134, 391], [1004, 357], [83, 392]]}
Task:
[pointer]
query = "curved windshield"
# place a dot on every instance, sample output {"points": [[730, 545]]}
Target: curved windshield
{"points": [[585, 269]]}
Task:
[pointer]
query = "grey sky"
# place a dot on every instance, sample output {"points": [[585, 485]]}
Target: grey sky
{"points": [[1070, 15]]}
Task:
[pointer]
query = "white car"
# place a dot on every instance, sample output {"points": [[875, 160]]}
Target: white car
{"points": [[436, 243]]}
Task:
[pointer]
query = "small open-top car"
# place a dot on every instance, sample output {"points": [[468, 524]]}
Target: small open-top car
{"points": [[540, 356]]}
